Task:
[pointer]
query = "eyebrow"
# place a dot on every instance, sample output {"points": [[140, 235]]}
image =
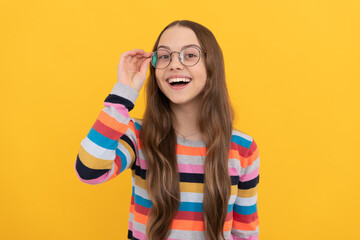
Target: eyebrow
{"points": [[189, 45]]}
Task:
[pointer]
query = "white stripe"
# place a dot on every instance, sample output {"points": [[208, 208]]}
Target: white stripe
{"points": [[97, 151], [110, 110], [141, 192], [191, 197], [244, 233], [252, 167], [246, 201], [243, 135], [126, 153]]}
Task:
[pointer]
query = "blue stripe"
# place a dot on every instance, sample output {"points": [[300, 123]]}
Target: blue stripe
{"points": [[101, 140], [241, 141], [230, 207], [190, 207], [142, 201], [122, 158], [184, 206], [245, 210], [137, 126]]}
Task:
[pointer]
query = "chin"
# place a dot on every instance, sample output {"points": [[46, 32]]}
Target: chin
{"points": [[183, 101], [178, 101]]}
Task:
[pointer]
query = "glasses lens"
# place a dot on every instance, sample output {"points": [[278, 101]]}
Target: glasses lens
{"points": [[160, 59], [190, 56], [154, 59]]}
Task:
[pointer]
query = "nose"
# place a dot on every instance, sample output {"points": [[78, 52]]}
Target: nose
{"points": [[175, 61]]}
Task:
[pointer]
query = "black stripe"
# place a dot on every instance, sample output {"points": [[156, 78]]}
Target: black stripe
{"points": [[133, 166], [88, 173], [199, 178], [249, 184], [112, 98], [185, 177], [140, 172], [130, 235], [192, 177], [128, 141]]}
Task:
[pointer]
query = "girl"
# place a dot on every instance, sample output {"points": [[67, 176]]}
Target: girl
{"points": [[193, 175]]}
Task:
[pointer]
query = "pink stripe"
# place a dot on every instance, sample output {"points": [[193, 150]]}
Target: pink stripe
{"points": [[119, 107], [248, 238], [93, 181], [131, 226], [190, 168], [250, 176], [139, 235], [233, 172], [142, 163]]}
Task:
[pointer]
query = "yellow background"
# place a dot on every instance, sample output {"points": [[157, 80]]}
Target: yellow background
{"points": [[293, 72]]}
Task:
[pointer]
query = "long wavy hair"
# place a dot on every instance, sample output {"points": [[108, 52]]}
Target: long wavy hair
{"points": [[159, 144]]}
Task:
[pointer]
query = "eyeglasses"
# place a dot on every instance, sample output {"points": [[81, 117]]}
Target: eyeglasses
{"points": [[188, 57]]}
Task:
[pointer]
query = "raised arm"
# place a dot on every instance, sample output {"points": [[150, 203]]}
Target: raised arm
{"points": [[110, 146]]}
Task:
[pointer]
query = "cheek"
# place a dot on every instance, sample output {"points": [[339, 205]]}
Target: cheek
{"points": [[201, 72], [158, 76]]}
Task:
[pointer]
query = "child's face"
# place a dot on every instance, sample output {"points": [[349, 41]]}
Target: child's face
{"points": [[174, 39]]}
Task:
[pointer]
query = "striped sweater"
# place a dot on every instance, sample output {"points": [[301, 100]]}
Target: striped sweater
{"points": [[113, 145]]}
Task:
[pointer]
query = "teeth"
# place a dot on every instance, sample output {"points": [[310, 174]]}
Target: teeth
{"points": [[173, 80]]}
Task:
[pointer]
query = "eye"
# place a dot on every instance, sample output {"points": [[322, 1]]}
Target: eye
{"points": [[190, 55], [163, 56]]}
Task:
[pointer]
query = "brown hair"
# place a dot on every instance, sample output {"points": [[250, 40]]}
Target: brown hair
{"points": [[159, 144]]}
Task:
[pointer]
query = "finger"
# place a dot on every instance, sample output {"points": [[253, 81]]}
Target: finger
{"points": [[147, 54], [135, 59], [145, 65], [133, 52], [139, 63]]}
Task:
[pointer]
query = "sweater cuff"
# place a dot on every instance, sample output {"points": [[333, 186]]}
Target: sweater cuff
{"points": [[125, 91]]}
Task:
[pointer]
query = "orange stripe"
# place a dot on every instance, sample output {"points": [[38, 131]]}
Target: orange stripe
{"points": [[112, 122], [188, 225], [228, 225], [132, 207], [249, 160], [192, 151], [234, 154], [246, 226], [140, 218], [114, 173]]}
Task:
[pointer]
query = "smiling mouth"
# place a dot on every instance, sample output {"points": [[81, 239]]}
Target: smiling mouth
{"points": [[179, 81]]}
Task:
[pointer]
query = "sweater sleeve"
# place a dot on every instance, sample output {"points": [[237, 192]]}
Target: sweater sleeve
{"points": [[110, 147], [245, 215]]}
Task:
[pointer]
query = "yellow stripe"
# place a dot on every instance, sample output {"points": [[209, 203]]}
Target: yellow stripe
{"points": [[139, 181], [129, 149], [92, 162], [248, 192]]}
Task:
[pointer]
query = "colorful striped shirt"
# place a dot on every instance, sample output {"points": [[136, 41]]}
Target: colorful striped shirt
{"points": [[113, 145]]}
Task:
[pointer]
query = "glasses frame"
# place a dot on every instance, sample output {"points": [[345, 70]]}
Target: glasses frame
{"points": [[179, 54]]}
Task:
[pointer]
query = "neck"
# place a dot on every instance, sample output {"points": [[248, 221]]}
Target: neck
{"points": [[186, 120]]}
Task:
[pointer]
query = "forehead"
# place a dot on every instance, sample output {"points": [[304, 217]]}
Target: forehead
{"points": [[176, 37]]}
